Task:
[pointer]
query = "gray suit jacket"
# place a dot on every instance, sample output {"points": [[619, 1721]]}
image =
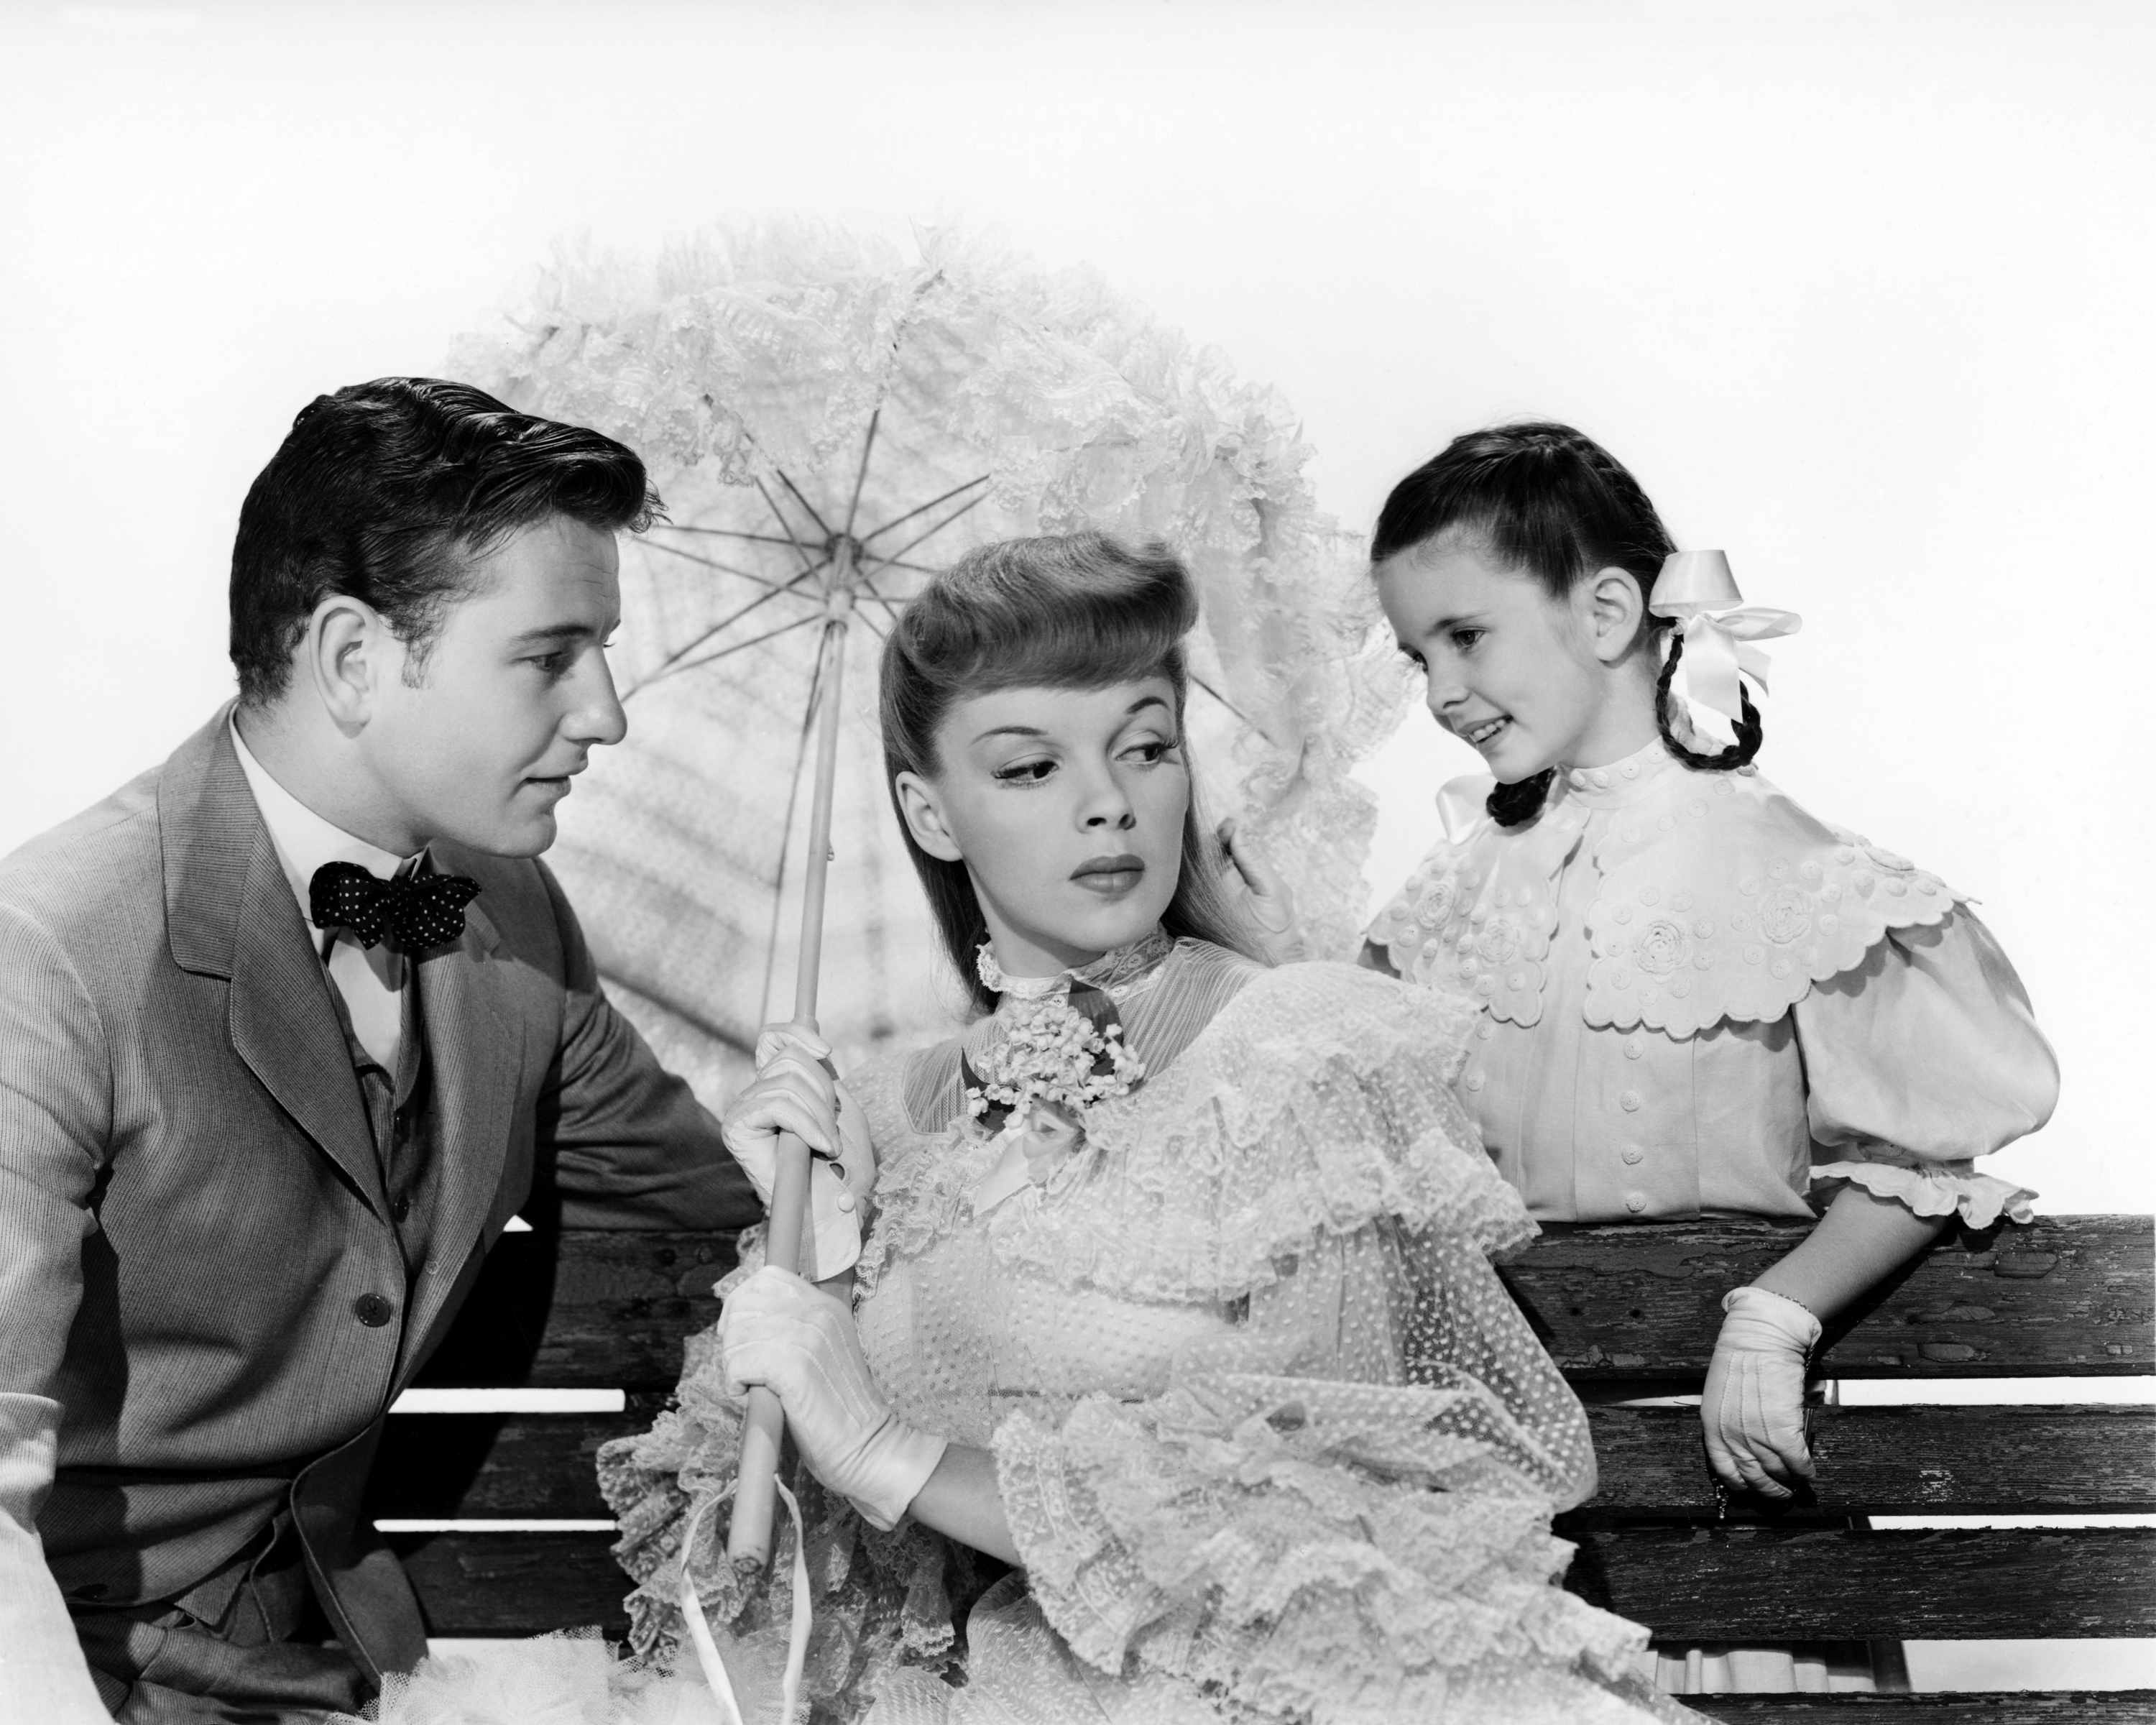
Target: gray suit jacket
{"points": [[191, 1209]]}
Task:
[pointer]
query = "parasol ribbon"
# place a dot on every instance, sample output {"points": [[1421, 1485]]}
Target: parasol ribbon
{"points": [[699, 1626], [1697, 591]]}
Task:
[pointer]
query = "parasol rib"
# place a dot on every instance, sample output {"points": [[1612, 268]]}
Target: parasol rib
{"points": [[821, 526], [930, 533], [899, 520], [861, 477], [667, 665], [769, 634], [723, 568]]}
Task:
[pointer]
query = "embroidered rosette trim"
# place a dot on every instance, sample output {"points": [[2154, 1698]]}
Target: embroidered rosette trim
{"points": [[1728, 901], [1476, 918]]}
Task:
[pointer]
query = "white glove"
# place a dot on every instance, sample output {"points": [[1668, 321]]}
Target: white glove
{"points": [[1263, 897], [779, 1331], [1753, 1407], [794, 1091]]}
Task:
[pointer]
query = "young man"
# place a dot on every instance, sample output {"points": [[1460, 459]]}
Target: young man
{"points": [[290, 1027]]}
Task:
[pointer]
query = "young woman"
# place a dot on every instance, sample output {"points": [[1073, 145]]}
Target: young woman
{"points": [[1692, 996], [1175, 1383]]}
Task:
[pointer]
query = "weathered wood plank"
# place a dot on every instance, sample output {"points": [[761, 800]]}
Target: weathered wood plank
{"points": [[1993, 1706], [2072, 1294], [1736, 1584], [1928, 1461], [514, 1584], [1936, 1460], [584, 1310]]}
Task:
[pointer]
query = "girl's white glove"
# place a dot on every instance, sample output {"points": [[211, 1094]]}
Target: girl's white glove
{"points": [[1263, 897], [1753, 1407], [794, 1091], [779, 1331]]}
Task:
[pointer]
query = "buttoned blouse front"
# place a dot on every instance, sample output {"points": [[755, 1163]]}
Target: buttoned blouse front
{"points": [[1894, 1072]]}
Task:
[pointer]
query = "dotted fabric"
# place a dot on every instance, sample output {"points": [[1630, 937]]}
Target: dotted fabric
{"points": [[1272, 1439], [416, 911]]}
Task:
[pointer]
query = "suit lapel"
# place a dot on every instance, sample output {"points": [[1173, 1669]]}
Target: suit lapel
{"points": [[474, 1051], [229, 911]]}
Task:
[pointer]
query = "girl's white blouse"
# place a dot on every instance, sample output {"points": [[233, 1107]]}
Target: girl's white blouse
{"points": [[1696, 999]]}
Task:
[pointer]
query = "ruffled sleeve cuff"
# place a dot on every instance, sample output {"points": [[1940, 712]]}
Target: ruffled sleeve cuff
{"points": [[1085, 1583], [1937, 1189]]}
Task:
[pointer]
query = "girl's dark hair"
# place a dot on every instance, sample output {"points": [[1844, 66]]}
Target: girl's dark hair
{"points": [[1554, 503], [387, 491], [1073, 611]]}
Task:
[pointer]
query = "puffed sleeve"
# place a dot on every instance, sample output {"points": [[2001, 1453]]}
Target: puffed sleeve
{"points": [[1351, 1494], [1919, 1061]]}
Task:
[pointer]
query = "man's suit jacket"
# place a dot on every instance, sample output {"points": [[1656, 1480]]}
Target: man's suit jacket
{"points": [[195, 1239]]}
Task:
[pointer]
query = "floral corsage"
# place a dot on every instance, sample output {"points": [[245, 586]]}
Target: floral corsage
{"points": [[1047, 1066]]}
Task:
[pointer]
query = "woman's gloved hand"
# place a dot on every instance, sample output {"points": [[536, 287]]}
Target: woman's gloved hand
{"points": [[795, 1092], [779, 1331], [1753, 1407], [1261, 895]]}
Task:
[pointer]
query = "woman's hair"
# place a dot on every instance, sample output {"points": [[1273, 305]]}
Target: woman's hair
{"points": [[1554, 504], [1071, 610]]}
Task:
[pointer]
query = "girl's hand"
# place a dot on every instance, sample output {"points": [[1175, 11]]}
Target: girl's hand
{"points": [[794, 1091], [1262, 896], [779, 1331], [1753, 1408]]}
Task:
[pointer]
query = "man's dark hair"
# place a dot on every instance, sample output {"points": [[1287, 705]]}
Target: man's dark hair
{"points": [[387, 491]]}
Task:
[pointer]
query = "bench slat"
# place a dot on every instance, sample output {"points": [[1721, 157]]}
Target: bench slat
{"points": [[1982, 1707], [1725, 1584], [515, 1583], [1936, 1460], [1737, 1584], [2071, 1294], [1924, 1460]]}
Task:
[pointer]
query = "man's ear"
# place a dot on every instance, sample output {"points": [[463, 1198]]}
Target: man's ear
{"points": [[345, 655], [1612, 608], [923, 810]]}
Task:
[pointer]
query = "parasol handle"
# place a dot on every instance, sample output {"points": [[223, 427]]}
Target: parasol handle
{"points": [[748, 1536]]}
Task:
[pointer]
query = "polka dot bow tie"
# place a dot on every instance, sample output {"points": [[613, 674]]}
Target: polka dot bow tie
{"points": [[417, 911]]}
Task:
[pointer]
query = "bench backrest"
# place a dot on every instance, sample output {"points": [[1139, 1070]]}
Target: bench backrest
{"points": [[2068, 1297]]}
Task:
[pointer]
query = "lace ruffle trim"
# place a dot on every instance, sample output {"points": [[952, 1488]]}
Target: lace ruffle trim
{"points": [[1317, 1102], [1285, 1583]]}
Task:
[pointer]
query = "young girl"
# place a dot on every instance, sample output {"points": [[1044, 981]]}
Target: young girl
{"points": [[1694, 997], [1176, 1384]]}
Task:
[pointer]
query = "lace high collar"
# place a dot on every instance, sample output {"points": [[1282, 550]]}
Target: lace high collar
{"points": [[1621, 782], [1119, 974]]}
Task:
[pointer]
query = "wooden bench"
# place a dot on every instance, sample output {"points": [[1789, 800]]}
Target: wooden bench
{"points": [[2068, 1297]]}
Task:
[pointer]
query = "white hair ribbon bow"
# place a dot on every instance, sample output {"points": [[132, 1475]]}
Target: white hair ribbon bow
{"points": [[1696, 589]]}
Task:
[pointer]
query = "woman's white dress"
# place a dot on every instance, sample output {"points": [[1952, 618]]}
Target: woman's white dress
{"points": [[1273, 1442]]}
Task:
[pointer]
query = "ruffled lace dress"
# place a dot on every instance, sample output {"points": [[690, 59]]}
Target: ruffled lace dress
{"points": [[1272, 1441]]}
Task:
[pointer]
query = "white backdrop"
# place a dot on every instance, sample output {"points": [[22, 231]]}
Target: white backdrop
{"points": [[1860, 290]]}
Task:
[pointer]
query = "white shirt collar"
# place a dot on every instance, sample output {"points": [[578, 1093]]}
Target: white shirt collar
{"points": [[305, 841]]}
